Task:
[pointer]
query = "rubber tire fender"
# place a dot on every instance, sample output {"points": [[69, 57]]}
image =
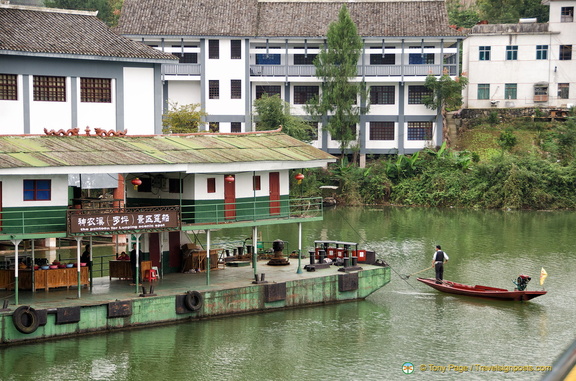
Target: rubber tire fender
{"points": [[193, 300], [26, 319]]}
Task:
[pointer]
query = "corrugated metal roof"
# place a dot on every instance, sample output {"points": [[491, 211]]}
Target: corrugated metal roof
{"points": [[70, 151]]}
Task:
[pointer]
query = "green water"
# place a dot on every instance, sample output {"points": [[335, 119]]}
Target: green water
{"points": [[369, 340]]}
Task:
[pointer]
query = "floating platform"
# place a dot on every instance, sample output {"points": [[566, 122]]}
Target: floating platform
{"points": [[179, 297]]}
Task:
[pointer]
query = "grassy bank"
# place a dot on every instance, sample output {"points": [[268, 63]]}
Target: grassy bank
{"points": [[515, 165]]}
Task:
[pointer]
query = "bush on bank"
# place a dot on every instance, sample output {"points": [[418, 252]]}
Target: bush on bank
{"points": [[542, 176]]}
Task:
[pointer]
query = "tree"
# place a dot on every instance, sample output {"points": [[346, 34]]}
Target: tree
{"points": [[509, 11], [446, 94], [184, 119], [463, 17], [272, 112], [108, 10], [336, 65]]}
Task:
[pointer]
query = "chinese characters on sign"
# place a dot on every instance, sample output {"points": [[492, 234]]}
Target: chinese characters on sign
{"points": [[152, 220]]}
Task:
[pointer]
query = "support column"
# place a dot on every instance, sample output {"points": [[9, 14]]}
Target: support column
{"points": [[78, 266], [299, 271], [254, 250], [16, 242], [137, 275], [208, 257]]}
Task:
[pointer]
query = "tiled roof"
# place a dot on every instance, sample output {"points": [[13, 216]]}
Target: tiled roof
{"points": [[48, 31], [253, 18], [71, 151]]}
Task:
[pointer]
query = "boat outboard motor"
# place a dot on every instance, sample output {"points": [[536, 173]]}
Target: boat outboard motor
{"points": [[522, 282]]}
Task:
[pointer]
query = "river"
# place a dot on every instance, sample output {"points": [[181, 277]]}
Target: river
{"points": [[444, 337]]}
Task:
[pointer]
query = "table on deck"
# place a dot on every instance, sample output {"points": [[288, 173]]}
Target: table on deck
{"points": [[123, 269], [44, 279]]}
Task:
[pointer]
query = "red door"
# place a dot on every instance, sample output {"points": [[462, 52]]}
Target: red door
{"points": [[174, 259], [229, 200], [154, 240], [274, 193]]}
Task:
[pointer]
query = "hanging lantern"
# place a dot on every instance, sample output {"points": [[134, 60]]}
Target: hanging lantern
{"points": [[136, 182], [299, 177], [229, 179]]}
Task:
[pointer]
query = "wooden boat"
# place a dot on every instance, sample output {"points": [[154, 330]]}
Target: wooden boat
{"points": [[481, 291]]}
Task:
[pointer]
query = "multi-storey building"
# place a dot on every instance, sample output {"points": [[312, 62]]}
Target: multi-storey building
{"points": [[231, 52], [528, 64]]}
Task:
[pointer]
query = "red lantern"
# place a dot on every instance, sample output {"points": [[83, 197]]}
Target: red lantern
{"points": [[229, 179], [136, 182], [299, 177]]}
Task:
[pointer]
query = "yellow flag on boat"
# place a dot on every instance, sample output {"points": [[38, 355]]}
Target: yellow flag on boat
{"points": [[543, 275]]}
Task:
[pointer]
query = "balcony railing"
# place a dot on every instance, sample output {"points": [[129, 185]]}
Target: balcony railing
{"points": [[55, 221], [368, 70], [181, 69]]}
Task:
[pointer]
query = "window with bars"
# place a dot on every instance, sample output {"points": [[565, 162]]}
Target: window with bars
{"points": [[483, 91], [303, 94], [214, 126], [236, 89], [382, 59], [214, 89], [350, 131], [567, 14], [541, 52], [37, 190], [186, 57], [484, 53], [211, 185], [236, 49], [382, 95], [175, 185], [214, 49], [563, 90], [313, 131], [565, 52], [381, 130], [270, 90], [304, 58], [419, 130], [8, 87], [416, 94], [511, 52], [96, 90], [510, 91], [235, 127], [49, 89]]}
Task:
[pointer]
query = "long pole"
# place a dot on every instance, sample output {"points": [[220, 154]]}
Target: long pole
{"points": [[137, 275], [299, 271], [78, 249], [16, 242], [208, 257]]}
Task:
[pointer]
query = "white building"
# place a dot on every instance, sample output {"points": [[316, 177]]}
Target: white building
{"points": [[62, 69], [527, 64], [233, 51]]}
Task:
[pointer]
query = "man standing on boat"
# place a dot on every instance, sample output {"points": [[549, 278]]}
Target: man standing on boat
{"points": [[438, 261]]}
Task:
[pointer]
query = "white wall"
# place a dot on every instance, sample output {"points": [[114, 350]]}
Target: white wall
{"points": [[12, 113], [184, 92], [13, 191], [97, 115], [139, 101], [50, 115]]}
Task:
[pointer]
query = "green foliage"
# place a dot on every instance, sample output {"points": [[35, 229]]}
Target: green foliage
{"points": [[336, 65], [183, 119], [108, 10], [446, 92], [507, 140], [461, 16], [493, 118], [272, 112], [510, 11]]}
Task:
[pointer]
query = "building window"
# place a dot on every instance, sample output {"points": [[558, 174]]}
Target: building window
{"points": [[175, 185], [484, 53], [214, 89], [37, 190], [267, 58], [564, 90], [382, 59], [483, 91], [421, 58], [381, 130], [186, 57], [304, 59], [313, 131], [382, 95], [211, 185], [416, 94], [146, 186], [419, 130], [511, 52], [96, 90], [235, 127], [236, 89], [256, 183], [213, 49], [236, 49], [270, 90], [567, 14], [510, 91], [8, 87], [302, 94], [51, 89], [541, 93], [565, 52], [541, 52], [337, 135], [214, 127]]}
